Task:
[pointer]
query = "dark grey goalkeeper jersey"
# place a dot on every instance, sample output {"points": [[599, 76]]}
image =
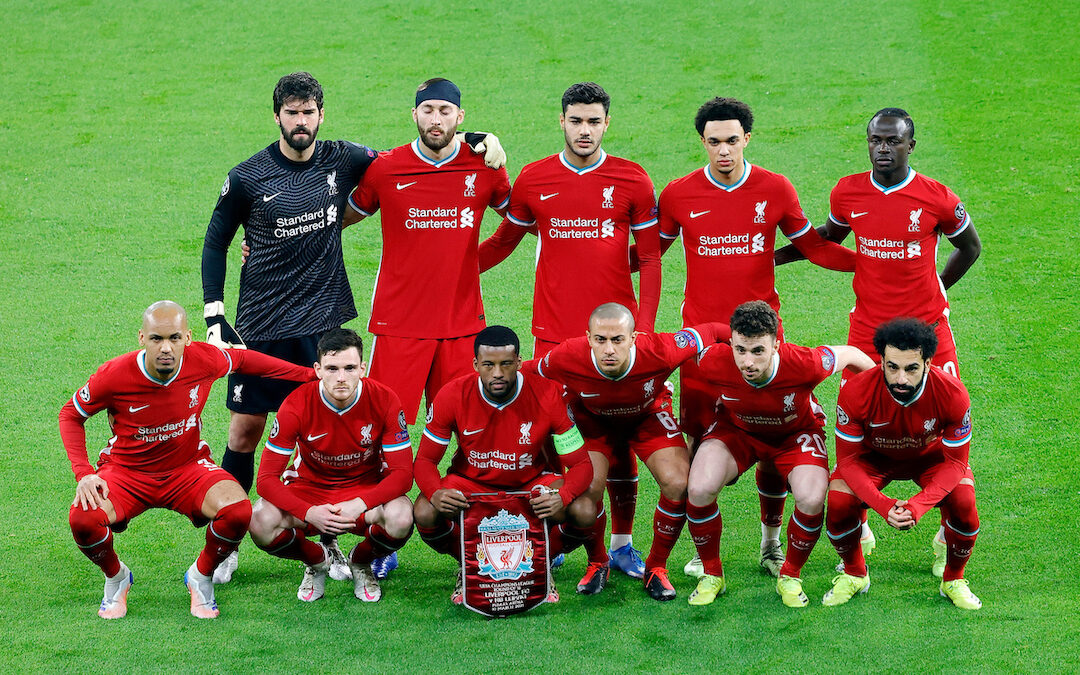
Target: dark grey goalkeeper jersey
{"points": [[294, 282]]}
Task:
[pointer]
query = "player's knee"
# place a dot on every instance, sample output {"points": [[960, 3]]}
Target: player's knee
{"points": [[86, 523], [809, 493], [265, 518], [245, 432], [842, 511], [424, 514], [398, 517], [674, 487], [232, 520], [701, 492], [961, 513], [582, 512]]}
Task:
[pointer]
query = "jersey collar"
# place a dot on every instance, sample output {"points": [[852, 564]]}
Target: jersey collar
{"points": [[591, 167], [747, 166], [433, 162], [140, 358], [775, 371], [494, 404], [895, 188], [630, 367], [333, 408]]}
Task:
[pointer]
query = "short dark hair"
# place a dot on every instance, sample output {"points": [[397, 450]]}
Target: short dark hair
{"points": [[338, 340], [719, 109], [496, 336], [299, 86], [905, 334], [755, 318], [586, 92], [898, 113]]}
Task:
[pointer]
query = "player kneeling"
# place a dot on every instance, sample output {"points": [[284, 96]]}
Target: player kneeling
{"points": [[343, 429], [908, 421], [501, 412], [766, 412]]}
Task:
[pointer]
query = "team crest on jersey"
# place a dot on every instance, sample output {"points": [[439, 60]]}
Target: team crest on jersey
{"points": [[929, 424], [365, 435], [526, 434], [84, 394], [274, 428], [649, 388], [238, 393], [913, 217], [401, 421], [828, 360], [841, 416], [959, 211], [504, 550], [684, 339], [789, 401], [609, 197], [470, 186], [193, 396], [759, 211], [331, 180], [225, 187]]}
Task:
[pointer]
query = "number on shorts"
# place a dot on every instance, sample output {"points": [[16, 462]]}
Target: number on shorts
{"points": [[210, 466], [813, 444], [950, 368], [667, 420]]}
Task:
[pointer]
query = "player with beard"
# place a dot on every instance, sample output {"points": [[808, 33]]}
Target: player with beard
{"points": [[155, 459], [910, 420], [585, 205], [519, 416], [427, 305]]}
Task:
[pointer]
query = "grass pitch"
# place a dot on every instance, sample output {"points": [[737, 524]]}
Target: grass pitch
{"points": [[123, 119]]}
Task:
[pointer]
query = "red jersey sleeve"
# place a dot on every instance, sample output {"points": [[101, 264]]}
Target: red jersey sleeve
{"points": [[365, 198], [849, 448], [956, 439], [647, 237], [519, 212], [433, 444], [92, 398], [501, 243], [275, 459], [500, 194], [670, 229], [951, 215], [250, 362]]}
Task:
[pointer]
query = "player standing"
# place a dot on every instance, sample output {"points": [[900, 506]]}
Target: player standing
{"points": [[154, 398], [898, 217], [727, 213], [343, 429], [585, 205], [908, 421], [615, 379], [767, 414], [504, 422]]}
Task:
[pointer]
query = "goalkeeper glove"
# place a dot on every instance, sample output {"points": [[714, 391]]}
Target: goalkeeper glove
{"points": [[489, 145], [218, 330]]}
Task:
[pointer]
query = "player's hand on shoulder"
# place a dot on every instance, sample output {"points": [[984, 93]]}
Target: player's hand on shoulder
{"points": [[449, 502], [487, 144], [90, 492], [218, 330], [245, 251]]}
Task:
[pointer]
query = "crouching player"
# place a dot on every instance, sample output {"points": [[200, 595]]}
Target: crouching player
{"points": [[505, 412], [908, 421], [766, 413], [155, 459], [343, 429]]}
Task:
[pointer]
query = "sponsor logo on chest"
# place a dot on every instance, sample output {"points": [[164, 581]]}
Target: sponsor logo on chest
{"points": [[440, 218], [731, 244]]}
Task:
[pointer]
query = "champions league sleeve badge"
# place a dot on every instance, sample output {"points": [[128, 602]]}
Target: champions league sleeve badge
{"points": [[504, 554]]}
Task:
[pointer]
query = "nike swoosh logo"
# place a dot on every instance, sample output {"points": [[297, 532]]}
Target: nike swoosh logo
{"points": [[133, 409], [402, 186], [544, 198], [728, 398], [875, 425], [696, 214], [268, 198], [859, 215], [587, 395], [311, 438], [673, 435], [470, 432]]}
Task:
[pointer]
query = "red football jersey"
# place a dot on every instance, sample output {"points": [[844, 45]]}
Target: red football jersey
{"points": [[156, 423], [584, 218], [499, 444], [337, 448], [729, 236], [897, 230], [872, 425], [653, 357], [428, 284], [782, 405]]}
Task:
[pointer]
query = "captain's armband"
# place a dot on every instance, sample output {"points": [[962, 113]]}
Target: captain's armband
{"points": [[567, 442]]}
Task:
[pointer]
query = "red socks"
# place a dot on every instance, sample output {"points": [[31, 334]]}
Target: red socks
{"points": [[802, 533], [377, 544], [772, 493], [668, 521], [224, 534], [844, 524], [706, 526], [293, 545], [94, 538], [961, 529]]}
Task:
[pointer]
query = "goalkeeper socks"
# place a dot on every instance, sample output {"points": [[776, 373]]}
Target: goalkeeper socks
{"points": [[241, 465], [706, 525], [803, 532]]}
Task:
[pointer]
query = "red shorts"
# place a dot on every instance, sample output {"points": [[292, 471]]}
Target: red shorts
{"points": [[643, 436], [182, 489], [944, 357], [922, 470], [805, 447], [414, 366], [318, 494], [469, 486]]}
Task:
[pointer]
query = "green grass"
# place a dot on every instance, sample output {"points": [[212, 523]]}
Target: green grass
{"points": [[122, 119]]}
